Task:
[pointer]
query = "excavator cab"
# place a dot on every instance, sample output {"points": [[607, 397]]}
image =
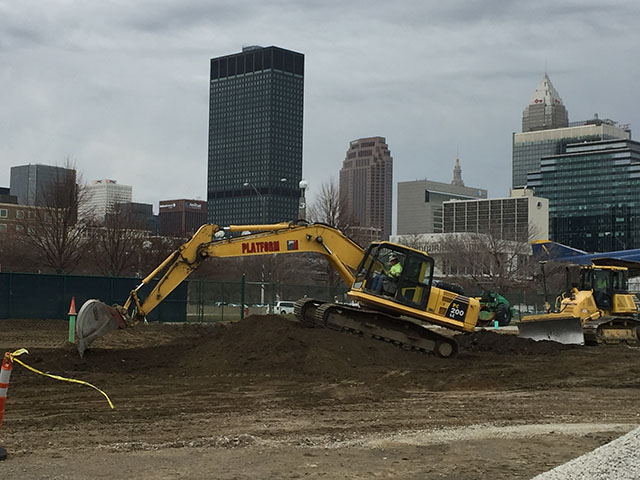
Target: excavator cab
{"points": [[410, 287]]}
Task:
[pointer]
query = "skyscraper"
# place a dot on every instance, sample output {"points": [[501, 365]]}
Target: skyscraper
{"points": [[366, 185], [101, 197], [594, 192], [545, 109], [255, 136], [546, 131], [34, 184]]}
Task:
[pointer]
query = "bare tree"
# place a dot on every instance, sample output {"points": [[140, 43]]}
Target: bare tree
{"points": [[118, 244], [55, 231], [487, 260], [330, 208], [16, 254]]}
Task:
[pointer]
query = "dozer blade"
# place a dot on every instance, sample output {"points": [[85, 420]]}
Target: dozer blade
{"points": [[95, 319], [562, 330]]}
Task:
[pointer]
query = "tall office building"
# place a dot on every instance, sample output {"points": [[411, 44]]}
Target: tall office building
{"points": [[594, 192], [546, 131], [100, 198], [366, 186], [420, 202], [35, 184], [255, 136], [545, 109]]}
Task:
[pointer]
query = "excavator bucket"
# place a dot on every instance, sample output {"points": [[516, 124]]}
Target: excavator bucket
{"points": [[562, 330], [95, 319]]}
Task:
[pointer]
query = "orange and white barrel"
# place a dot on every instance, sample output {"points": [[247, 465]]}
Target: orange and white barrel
{"points": [[5, 374]]}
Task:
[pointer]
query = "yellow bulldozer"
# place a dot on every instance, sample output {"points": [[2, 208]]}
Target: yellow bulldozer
{"points": [[598, 309], [399, 304]]}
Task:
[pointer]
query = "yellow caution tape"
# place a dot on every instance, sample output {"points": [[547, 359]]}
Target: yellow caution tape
{"points": [[19, 352]]}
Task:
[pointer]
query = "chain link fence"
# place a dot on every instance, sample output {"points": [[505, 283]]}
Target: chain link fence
{"points": [[37, 296]]}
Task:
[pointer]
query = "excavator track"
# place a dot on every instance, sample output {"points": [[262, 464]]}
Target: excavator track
{"points": [[402, 332], [305, 310], [612, 330]]}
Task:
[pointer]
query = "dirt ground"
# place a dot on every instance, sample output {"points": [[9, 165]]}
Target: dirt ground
{"points": [[267, 397]]}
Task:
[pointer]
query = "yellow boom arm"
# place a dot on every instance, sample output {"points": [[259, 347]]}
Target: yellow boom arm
{"points": [[342, 253]]}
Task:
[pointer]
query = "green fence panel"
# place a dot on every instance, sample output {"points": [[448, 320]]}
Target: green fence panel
{"points": [[24, 295]]}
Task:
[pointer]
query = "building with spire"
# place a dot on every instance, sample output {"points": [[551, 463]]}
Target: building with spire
{"points": [[545, 109], [420, 202], [457, 174], [366, 187], [546, 131], [589, 171]]}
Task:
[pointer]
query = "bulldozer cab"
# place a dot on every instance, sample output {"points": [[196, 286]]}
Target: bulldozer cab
{"points": [[376, 275], [605, 283]]}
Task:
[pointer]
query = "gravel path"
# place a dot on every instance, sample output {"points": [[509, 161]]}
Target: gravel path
{"points": [[617, 460]]}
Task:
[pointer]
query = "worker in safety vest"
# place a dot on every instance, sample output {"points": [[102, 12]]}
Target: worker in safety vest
{"points": [[391, 275]]}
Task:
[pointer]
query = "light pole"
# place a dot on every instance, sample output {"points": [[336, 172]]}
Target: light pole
{"points": [[260, 196], [263, 219], [302, 204]]}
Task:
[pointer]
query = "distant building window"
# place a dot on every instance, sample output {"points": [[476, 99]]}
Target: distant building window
{"points": [[31, 230], [19, 228], [426, 196], [32, 215], [19, 214], [3, 214]]}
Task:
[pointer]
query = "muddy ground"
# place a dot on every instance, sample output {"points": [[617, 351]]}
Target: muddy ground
{"points": [[268, 398]]}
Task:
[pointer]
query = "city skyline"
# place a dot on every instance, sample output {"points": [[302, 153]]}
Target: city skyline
{"points": [[446, 81]]}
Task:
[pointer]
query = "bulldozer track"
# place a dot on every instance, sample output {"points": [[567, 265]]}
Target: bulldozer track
{"points": [[612, 330], [399, 331]]}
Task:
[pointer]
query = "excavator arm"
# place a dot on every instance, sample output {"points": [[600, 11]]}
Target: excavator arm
{"points": [[341, 252], [95, 318]]}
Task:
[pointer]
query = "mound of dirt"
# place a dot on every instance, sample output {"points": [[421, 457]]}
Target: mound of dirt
{"points": [[487, 341], [270, 343]]}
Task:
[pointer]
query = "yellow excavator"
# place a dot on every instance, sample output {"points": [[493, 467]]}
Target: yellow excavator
{"points": [[597, 310], [401, 309]]}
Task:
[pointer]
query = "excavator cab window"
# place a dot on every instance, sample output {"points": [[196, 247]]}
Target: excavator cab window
{"points": [[411, 286]]}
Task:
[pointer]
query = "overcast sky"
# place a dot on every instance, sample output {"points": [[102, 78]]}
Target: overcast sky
{"points": [[121, 87]]}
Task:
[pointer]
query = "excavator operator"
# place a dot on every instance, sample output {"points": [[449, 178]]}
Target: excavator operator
{"points": [[389, 277]]}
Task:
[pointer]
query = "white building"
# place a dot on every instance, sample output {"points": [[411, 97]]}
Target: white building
{"points": [[100, 198], [520, 217], [506, 224]]}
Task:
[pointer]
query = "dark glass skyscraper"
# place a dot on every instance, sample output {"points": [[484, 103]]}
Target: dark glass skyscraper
{"points": [[255, 136], [594, 194]]}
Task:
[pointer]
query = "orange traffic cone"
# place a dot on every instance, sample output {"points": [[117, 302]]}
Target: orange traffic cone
{"points": [[5, 374], [72, 308]]}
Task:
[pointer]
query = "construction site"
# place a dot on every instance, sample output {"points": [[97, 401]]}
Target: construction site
{"points": [[266, 397], [410, 379]]}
